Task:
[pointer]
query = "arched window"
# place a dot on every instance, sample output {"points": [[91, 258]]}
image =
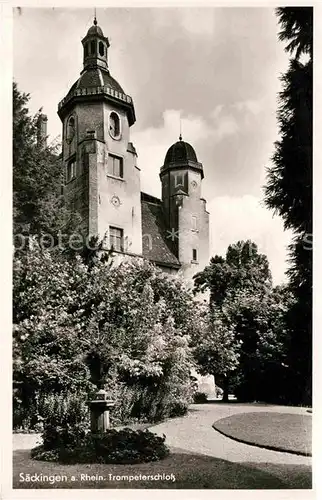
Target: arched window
{"points": [[115, 125], [86, 50], [70, 129], [93, 47], [101, 48]]}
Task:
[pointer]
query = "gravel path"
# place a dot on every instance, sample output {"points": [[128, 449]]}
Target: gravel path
{"points": [[194, 433]]}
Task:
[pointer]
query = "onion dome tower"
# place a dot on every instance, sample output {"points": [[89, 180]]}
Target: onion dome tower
{"points": [[99, 159]]}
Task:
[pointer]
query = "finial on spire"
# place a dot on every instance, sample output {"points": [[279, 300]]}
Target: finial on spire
{"points": [[95, 20], [180, 136]]}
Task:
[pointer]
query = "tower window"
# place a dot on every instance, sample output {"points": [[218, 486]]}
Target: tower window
{"points": [[194, 254], [116, 239], [115, 166], [194, 222], [71, 170], [93, 44], [70, 129], [114, 125], [86, 50], [101, 48], [178, 180]]}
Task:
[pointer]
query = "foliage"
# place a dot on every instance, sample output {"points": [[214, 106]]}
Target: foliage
{"points": [[243, 268], [38, 202], [114, 446], [200, 397], [127, 328], [288, 190], [261, 332], [238, 284]]}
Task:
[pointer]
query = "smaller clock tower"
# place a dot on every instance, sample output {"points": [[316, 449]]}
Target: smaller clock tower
{"points": [[102, 180]]}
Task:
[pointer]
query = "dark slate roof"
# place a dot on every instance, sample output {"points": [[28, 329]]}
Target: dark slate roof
{"points": [[180, 151], [95, 30], [154, 233], [180, 156], [91, 78]]}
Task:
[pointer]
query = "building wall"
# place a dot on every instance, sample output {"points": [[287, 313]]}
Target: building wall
{"points": [[190, 236], [101, 199]]}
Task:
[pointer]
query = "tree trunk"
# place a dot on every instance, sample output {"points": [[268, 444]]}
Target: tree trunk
{"points": [[225, 388]]}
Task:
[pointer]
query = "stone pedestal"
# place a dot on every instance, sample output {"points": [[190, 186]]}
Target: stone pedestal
{"points": [[100, 408]]}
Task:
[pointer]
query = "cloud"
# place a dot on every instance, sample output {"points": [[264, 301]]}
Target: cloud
{"points": [[245, 217], [198, 21], [152, 143], [232, 218], [252, 106]]}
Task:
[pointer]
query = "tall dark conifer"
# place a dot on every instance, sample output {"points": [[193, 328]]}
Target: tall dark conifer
{"points": [[289, 188]]}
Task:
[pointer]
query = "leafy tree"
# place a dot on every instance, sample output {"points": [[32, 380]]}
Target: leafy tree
{"points": [[261, 331], [215, 350], [243, 268], [288, 189], [235, 281], [38, 203], [126, 328]]}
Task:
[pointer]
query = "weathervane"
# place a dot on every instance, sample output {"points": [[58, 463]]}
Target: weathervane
{"points": [[95, 20], [180, 136]]}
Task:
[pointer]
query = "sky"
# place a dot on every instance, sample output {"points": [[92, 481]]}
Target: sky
{"points": [[215, 69]]}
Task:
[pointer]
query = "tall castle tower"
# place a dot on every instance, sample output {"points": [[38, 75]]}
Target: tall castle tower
{"points": [[184, 209], [102, 181]]}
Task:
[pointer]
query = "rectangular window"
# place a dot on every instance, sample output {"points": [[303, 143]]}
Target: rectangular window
{"points": [[71, 170], [116, 239], [115, 166], [194, 254], [178, 180], [194, 222]]}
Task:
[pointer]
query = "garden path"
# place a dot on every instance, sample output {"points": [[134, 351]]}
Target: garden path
{"points": [[194, 433]]}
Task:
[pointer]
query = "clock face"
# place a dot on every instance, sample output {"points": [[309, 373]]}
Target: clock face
{"points": [[116, 201], [114, 125]]}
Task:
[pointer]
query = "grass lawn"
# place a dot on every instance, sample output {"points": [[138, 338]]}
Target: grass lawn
{"points": [[190, 471], [279, 431]]}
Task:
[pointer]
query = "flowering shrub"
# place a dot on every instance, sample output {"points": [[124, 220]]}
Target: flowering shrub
{"points": [[77, 327]]}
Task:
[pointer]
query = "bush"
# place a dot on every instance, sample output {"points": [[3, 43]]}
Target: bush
{"points": [[178, 409], [200, 397], [63, 436], [125, 446]]}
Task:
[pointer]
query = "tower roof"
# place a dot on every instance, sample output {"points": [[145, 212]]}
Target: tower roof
{"points": [[180, 151], [96, 77], [181, 154], [95, 30], [95, 81]]}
